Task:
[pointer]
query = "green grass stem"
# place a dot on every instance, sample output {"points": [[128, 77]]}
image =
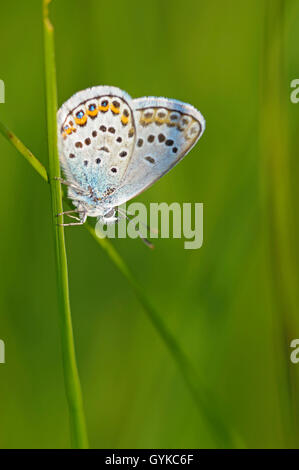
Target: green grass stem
{"points": [[34, 162], [71, 376]]}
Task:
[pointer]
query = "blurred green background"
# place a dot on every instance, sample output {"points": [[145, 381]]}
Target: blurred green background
{"points": [[232, 304]]}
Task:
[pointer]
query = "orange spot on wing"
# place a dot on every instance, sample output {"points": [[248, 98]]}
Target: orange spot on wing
{"points": [[81, 121], [124, 119], [114, 109], [104, 108], [92, 113]]}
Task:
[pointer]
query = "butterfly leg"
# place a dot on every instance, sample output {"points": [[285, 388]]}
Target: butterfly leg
{"points": [[71, 185], [70, 212], [71, 224], [80, 220], [62, 181], [74, 217]]}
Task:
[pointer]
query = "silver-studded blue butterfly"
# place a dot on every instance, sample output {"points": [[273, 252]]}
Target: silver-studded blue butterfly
{"points": [[113, 147]]}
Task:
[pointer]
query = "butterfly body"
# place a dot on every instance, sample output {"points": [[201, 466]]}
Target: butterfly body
{"points": [[113, 147]]}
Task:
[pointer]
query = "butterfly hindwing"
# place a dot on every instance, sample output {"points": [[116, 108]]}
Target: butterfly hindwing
{"points": [[165, 131], [96, 137]]}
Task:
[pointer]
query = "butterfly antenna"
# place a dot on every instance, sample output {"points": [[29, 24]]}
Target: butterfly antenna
{"points": [[152, 230], [144, 239]]}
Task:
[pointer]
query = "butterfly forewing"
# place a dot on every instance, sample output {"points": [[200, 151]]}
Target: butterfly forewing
{"points": [[165, 131], [96, 136]]}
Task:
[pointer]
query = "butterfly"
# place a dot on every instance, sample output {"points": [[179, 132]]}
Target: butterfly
{"points": [[112, 147]]}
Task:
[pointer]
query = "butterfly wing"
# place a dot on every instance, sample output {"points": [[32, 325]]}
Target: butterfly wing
{"points": [[165, 132], [96, 136]]}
